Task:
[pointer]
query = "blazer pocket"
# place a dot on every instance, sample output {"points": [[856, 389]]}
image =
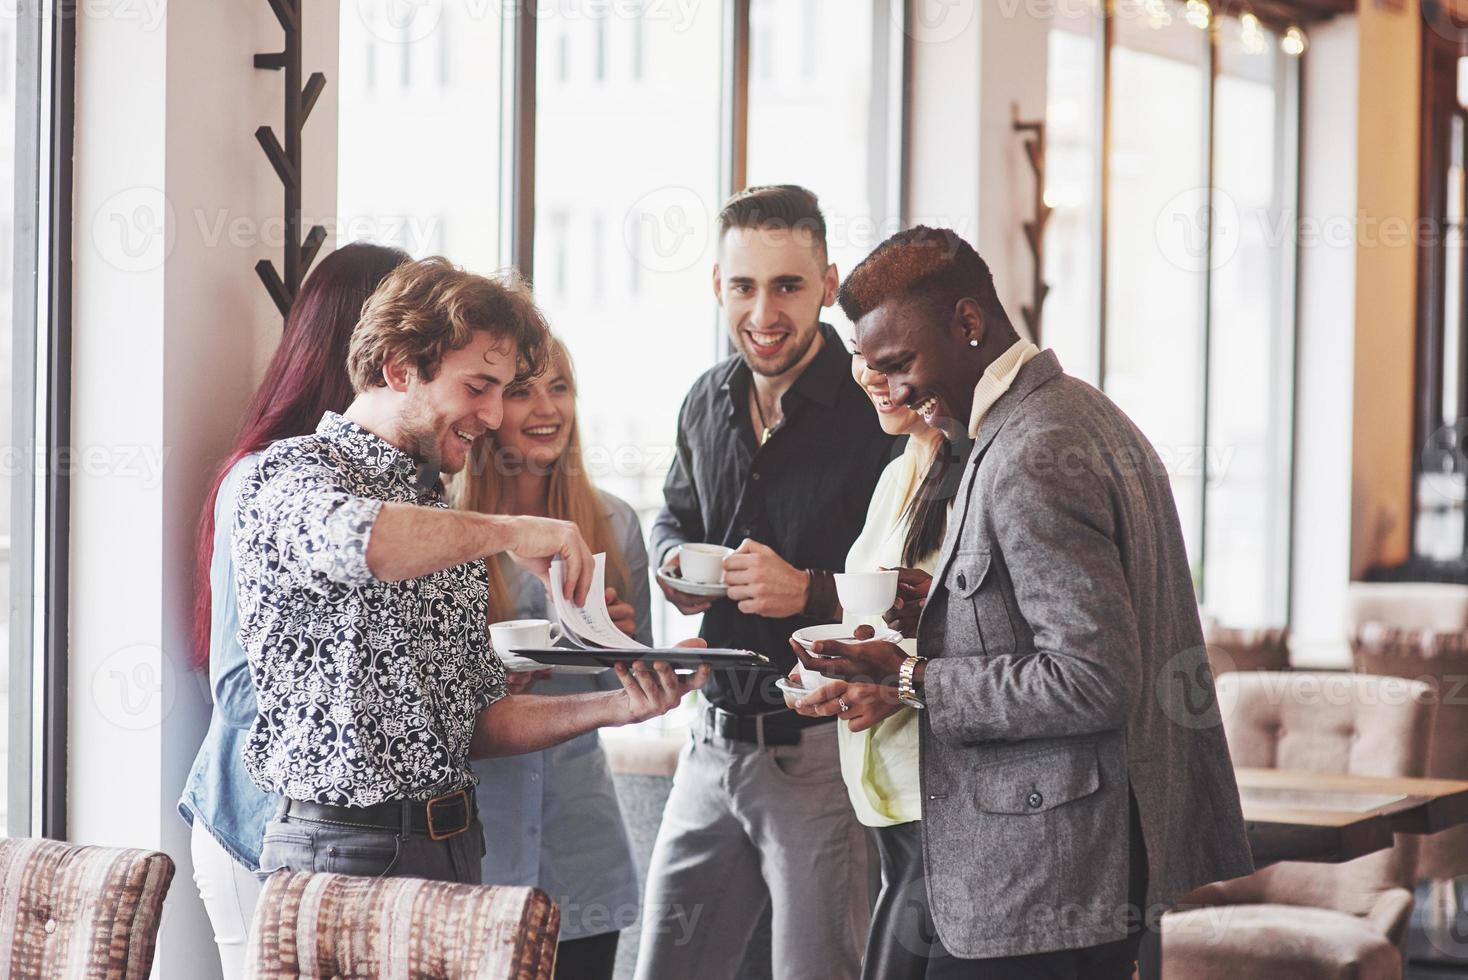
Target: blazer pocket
{"points": [[967, 572], [1038, 783], [979, 608]]}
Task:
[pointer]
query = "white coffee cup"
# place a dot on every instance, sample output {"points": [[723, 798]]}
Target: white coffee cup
{"points": [[811, 680], [703, 564], [523, 634], [866, 593]]}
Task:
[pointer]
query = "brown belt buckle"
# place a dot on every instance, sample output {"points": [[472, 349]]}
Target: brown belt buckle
{"points": [[433, 833]]}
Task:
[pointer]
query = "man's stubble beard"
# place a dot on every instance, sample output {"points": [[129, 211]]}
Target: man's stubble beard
{"points": [[415, 429], [795, 357]]}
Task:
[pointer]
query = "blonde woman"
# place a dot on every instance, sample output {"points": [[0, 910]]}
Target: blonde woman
{"points": [[552, 816], [904, 529]]}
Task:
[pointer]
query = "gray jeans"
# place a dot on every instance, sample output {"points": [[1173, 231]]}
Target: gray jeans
{"points": [[745, 826], [297, 844]]}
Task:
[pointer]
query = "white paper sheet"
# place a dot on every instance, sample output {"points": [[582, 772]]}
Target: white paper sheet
{"points": [[591, 625]]}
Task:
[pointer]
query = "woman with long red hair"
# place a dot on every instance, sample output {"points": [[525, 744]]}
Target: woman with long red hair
{"points": [[306, 378]]}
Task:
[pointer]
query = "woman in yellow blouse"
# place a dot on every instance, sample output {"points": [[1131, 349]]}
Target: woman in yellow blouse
{"points": [[904, 528]]}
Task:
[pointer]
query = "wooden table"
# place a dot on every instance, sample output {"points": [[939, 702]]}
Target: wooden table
{"points": [[1305, 816], [1274, 797]]}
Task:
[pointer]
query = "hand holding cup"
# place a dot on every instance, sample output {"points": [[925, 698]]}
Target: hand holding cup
{"points": [[913, 585], [866, 661]]}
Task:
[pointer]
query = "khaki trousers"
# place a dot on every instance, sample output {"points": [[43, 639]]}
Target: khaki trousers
{"points": [[745, 825]]}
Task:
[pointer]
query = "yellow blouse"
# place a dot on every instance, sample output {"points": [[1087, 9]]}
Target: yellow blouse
{"points": [[880, 765]]}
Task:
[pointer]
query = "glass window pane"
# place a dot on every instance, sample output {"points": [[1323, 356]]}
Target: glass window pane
{"points": [[819, 121], [626, 182], [419, 140], [21, 441], [1156, 242], [1251, 334], [1071, 324]]}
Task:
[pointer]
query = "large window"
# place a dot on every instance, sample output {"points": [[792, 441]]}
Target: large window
{"points": [[1156, 247], [826, 122], [626, 179], [1251, 337], [1072, 191], [1177, 295], [418, 137], [591, 145], [627, 118]]}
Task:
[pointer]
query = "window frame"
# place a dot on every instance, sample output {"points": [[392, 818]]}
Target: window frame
{"points": [[36, 778], [894, 59]]}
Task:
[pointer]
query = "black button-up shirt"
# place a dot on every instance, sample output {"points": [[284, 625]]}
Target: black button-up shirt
{"points": [[804, 493]]}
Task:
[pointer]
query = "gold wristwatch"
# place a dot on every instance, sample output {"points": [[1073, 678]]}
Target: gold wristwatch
{"points": [[906, 693]]}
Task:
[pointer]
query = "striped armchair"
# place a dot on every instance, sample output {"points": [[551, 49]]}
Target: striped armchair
{"points": [[1439, 660], [326, 926], [1231, 649], [72, 911]]}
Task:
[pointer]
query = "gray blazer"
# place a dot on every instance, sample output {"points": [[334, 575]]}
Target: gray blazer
{"points": [[1067, 662]]}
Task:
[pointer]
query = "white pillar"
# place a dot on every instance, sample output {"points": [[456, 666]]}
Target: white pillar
{"points": [[973, 62], [1358, 202], [174, 205]]}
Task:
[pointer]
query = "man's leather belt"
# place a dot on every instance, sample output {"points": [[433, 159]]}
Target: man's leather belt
{"points": [[439, 818], [772, 728]]}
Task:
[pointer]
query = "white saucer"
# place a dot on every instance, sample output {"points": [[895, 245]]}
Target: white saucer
{"points": [[699, 589], [808, 636]]}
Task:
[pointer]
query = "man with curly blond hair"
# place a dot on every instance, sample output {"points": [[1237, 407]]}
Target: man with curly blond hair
{"points": [[363, 598]]}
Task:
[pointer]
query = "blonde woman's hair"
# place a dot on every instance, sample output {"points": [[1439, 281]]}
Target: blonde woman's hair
{"points": [[573, 497]]}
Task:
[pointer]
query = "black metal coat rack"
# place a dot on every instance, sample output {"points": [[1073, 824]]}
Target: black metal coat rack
{"points": [[1034, 130], [299, 252]]}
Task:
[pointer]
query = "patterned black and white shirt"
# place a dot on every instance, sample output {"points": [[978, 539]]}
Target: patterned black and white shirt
{"points": [[367, 690]]}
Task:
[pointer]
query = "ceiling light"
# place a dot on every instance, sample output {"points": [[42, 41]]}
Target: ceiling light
{"points": [[1251, 35], [1293, 42]]}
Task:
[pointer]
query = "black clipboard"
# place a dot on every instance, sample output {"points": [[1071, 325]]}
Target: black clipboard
{"points": [[679, 657]]}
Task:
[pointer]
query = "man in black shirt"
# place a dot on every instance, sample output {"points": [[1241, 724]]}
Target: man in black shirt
{"points": [[779, 451]]}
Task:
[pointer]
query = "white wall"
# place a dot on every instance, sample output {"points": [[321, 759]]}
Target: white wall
{"points": [[174, 205], [972, 62], [1357, 301]]}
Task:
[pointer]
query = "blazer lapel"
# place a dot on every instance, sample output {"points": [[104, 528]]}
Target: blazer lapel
{"points": [[1039, 370]]}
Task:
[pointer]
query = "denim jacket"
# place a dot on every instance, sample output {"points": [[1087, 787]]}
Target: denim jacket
{"points": [[233, 809]]}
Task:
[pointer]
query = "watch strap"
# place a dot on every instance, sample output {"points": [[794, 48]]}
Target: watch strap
{"points": [[906, 692]]}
